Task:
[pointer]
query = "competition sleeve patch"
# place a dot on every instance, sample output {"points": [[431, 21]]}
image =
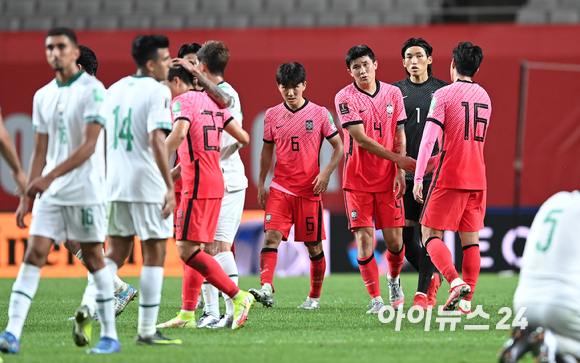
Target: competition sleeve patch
{"points": [[343, 107], [98, 94], [176, 109], [432, 107]]}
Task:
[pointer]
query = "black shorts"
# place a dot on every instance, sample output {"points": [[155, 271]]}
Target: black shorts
{"points": [[412, 208]]}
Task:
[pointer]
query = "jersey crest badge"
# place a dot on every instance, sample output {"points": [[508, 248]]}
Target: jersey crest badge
{"points": [[390, 109], [309, 125], [353, 214], [343, 107], [268, 217]]}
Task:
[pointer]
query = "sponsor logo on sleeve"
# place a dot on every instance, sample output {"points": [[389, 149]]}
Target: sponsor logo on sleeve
{"points": [[432, 107], [343, 107], [98, 94], [176, 109]]}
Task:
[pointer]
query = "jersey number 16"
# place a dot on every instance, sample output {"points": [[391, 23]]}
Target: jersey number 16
{"points": [[478, 120]]}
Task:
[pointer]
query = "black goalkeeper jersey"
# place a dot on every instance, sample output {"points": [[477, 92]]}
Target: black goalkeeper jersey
{"points": [[417, 98]]}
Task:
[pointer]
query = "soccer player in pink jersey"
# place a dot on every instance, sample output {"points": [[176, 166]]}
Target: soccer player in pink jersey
{"points": [[373, 114], [296, 128], [200, 121], [458, 117]]}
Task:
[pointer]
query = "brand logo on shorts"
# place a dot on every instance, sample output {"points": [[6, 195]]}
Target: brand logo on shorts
{"points": [[390, 109], [309, 125], [343, 107], [353, 214], [268, 217]]}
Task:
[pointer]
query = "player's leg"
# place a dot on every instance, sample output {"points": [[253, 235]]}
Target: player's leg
{"points": [[412, 244], [222, 252], [309, 228], [278, 220], [210, 294]]}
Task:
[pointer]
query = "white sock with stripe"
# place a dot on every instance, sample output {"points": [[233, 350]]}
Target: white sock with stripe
{"points": [[228, 263], [105, 302], [150, 285], [23, 292]]}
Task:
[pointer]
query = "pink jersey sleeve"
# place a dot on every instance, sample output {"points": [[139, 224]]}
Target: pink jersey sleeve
{"points": [[267, 129], [347, 110], [437, 107], [430, 134], [180, 108], [227, 116], [328, 128]]}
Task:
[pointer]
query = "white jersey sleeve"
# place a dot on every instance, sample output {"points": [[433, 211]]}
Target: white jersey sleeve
{"points": [[159, 115], [38, 122], [93, 99]]}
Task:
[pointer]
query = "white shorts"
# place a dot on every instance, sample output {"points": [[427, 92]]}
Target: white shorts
{"points": [[75, 223], [561, 320], [141, 219], [230, 216]]}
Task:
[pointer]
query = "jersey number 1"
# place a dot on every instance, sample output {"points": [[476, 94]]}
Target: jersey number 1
{"points": [[125, 132], [478, 120]]}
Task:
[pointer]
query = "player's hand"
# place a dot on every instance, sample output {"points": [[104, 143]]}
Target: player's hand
{"points": [[407, 163], [39, 186], [418, 192], [262, 197], [20, 179], [169, 204], [399, 184], [431, 164], [321, 183], [187, 65], [176, 173], [22, 211]]}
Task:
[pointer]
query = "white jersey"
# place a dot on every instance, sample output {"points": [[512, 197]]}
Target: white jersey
{"points": [[135, 107], [230, 162], [550, 272], [61, 111]]}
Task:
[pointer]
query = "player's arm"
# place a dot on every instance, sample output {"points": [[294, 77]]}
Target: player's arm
{"points": [[233, 128], [430, 134], [265, 164], [159, 149], [8, 151], [357, 132], [322, 179], [400, 148], [177, 135], [37, 164], [219, 96], [91, 133]]}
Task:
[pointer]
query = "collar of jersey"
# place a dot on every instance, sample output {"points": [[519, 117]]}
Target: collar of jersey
{"points": [[70, 81], [368, 94], [460, 80], [294, 111], [140, 76]]}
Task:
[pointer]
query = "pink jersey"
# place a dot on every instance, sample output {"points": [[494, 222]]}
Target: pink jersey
{"points": [[379, 114], [298, 136], [459, 116], [199, 154]]}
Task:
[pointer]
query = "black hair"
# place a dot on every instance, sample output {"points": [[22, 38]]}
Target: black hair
{"points": [[145, 48], [467, 58], [63, 31], [290, 74], [357, 52], [88, 60], [188, 49], [182, 74], [418, 42], [215, 55]]}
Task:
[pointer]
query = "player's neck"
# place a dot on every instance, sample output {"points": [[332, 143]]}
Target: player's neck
{"points": [[215, 79], [422, 78], [461, 77], [66, 74], [143, 73], [369, 88], [296, 105]]}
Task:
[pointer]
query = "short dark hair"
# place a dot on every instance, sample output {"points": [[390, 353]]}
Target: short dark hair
{"points": [[418, 42], [88, 60], [145, 48], [290, 74], [188, 49], [467, 58], [215, 55], [182, 74], [63, 31], [358, 51]]}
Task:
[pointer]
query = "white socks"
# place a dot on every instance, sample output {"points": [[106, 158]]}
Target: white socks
{"points": [[105, 302], [211, 299], [23, 292], [228, 263], [150, 285]]}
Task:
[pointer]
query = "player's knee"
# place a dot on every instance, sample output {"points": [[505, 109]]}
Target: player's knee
{"points": [[34, 257]]}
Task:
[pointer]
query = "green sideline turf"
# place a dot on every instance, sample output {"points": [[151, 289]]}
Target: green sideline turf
{"points": [[339, 332]]}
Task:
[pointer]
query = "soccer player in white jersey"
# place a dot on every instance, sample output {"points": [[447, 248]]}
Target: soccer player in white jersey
{"points": [[549, 285], [140, 189], [67, 177], [213, 58]]}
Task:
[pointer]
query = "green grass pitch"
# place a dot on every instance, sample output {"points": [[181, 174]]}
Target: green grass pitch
{"points": [[338, 332]]}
